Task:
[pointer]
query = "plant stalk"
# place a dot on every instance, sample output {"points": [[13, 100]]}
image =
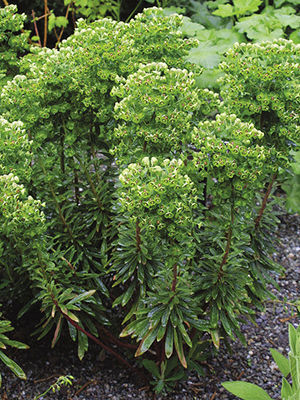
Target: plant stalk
{"points": [[92, 337], [36, 28], [228, 235], [175, 274], [138, 236], [265, 199], [45, 22]]}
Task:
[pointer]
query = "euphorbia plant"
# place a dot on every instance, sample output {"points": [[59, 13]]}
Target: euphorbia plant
{"points": [[261, 85], [167, 242]]}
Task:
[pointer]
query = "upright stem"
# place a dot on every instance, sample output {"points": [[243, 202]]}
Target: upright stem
{"points": [[36, 28], [76, 187], [138, 236], [133, 12], [228, 235], [63, 28], [265, 199], [93, 188], [45, 22], [66, 225], [175, 274], [62, 153]]}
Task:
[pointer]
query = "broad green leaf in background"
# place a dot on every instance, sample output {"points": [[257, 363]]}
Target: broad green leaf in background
{"points": [[281, 361], [246, 390], [224, 10], [240, 7], [259, 28], [278, 3], [246, 6], [202, 15]]}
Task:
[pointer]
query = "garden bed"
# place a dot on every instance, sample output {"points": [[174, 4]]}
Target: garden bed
{"points": [[99, 377]]}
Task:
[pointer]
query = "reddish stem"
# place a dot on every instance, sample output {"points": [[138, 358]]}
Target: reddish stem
{"points": [[265, 199], [113, 339], [138, 236], [96, 340], [36, 28]]}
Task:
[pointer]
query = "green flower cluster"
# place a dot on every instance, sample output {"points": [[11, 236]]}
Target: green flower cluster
{"points": [[162, 119], [161, 197], [20, 215], [261, 83], [15, 154], [12, 42], [228, 149]]}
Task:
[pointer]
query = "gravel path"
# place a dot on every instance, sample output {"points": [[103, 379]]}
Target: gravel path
{"points": [[105, 380]]}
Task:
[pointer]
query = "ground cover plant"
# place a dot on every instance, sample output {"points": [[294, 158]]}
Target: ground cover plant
{"points": [[133, 202]]}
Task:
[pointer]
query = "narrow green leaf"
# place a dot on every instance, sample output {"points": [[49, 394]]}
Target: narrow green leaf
{"points": [[185, 335], [128, 294], [147, 341], [82, 344], [18, 345], [215, 338], [57, 332], [161, 332], [82, 296], [169, 342], [12, 366], [179, 348], [72, 331]]}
